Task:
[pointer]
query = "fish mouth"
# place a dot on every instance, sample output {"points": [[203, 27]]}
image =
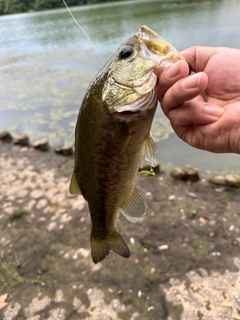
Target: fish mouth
{"points": [[157, 49], [153, 41]]}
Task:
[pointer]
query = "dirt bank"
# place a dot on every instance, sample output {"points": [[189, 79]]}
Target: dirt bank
{"points": [[179, 253]]}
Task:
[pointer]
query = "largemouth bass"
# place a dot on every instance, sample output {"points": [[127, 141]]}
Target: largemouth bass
{"points": [[113, 136]]}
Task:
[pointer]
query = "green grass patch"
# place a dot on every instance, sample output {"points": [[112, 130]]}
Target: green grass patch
{"points": [[8, 273]]}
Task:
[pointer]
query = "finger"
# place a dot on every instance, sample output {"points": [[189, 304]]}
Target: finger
{"points": [[217, 136], [170, 75], [184, 90], [198, 56], [194, 112]]}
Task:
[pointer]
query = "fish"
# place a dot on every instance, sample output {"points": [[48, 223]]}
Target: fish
{"points": [[112, 137]]}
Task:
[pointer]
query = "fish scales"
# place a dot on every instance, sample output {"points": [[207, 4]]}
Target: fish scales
{"points": [[108, 171], [112, 137]]}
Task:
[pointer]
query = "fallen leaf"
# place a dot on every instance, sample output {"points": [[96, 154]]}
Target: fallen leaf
{"points": [[3, 298]]}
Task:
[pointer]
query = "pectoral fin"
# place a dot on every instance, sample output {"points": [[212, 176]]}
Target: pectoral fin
{"points": [[74, 187], [134, 208], [150, 151]]}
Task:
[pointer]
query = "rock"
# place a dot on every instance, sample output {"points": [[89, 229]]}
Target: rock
{"points": [[177, 173], [191, 174], [22, 141], [78, 305], [56, 314], [64, 150], [163, 247], [218, 180], [117, 306], [41, 145], [236, 261], [232, 180], [135, 316], [5, 136], [37, 305], [96, 267], [221, 291], [12, 311]]}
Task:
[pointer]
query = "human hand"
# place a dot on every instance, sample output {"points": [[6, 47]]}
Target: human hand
{"points": [[204, 108]]}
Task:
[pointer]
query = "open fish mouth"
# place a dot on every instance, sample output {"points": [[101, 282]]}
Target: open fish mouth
{"points": [[157, 49], [153, 41]]}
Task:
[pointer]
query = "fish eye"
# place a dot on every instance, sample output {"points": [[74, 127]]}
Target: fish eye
{"points": [[126, 52]]}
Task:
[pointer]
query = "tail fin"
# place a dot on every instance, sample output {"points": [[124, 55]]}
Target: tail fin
{"points": [[101, 247]]}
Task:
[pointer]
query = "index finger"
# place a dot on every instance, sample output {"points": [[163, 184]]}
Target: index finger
{"points": [[198, 56], [170, 75]]}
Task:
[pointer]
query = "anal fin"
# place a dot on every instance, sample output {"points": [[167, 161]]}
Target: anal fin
{"points": [[134, 208]]}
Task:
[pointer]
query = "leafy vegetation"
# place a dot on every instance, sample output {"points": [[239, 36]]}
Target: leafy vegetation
{"points": [[17, 6]]}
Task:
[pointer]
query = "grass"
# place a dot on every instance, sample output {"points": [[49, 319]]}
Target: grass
{"points": [[8, 273], [16, 215]]}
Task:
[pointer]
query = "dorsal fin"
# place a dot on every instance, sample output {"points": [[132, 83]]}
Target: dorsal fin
{"points": [[74, 187], [150, 151], [134, 208]]}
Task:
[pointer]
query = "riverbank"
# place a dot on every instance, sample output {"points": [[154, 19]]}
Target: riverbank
{"points": [[36, 5], [184, 261]]}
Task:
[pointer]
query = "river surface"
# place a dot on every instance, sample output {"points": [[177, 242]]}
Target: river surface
{"points": [[47, 62]]}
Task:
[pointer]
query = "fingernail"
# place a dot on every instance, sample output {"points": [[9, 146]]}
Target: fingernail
{"points": [[191, 82], [214, 111], [173, 71]]}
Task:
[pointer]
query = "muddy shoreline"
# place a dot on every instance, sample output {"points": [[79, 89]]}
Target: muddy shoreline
{"points": [[189, 239]]}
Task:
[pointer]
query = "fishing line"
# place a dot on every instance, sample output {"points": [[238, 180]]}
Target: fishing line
{"points": [[81, 28]]}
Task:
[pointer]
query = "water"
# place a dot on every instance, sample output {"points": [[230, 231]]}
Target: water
{"points": [[46, 64]]}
